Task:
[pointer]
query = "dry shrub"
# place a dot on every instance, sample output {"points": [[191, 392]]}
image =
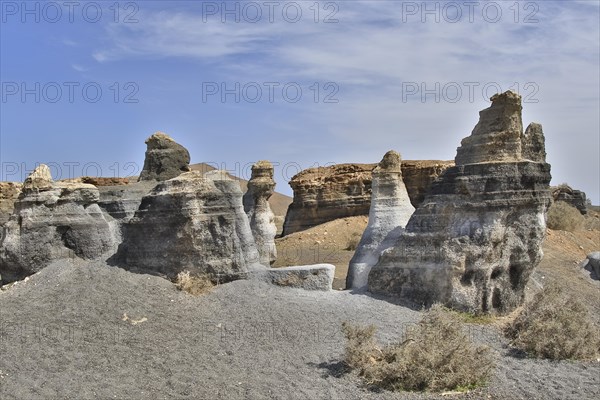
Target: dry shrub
{"points": [[564, 217], [555, 325], [435, 355], [194, 285], [353, 241]]}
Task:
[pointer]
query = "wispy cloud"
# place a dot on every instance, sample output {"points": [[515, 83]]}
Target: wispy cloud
{"points": [[376, 47]]}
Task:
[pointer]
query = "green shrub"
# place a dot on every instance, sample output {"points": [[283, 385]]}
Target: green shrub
{"points": [[555, 325], [435, 355]]}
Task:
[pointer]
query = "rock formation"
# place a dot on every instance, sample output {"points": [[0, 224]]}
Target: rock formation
{"points": [[256, 206], [193, 222], [53, 221], [101, 182], [9, 192], [576, 198], [327, 193], [344, 190], [390, 211], [477, 237], [418, 175], [165, 158]]}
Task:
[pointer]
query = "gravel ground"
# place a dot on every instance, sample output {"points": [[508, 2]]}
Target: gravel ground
{"points": [[93, 331]]}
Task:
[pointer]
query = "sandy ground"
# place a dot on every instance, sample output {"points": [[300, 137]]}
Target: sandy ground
{"points": [[94, 331]]}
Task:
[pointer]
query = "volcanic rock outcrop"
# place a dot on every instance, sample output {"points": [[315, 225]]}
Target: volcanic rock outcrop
{"points": [[344, 190], [390, 211], [53, 221], [576, 198], [477, 237], [256, 205], [165, 158], [194, 222]]}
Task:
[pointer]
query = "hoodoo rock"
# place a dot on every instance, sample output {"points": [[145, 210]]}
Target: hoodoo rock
{"points": [[194, 222], [53, 221], [165, 158], [256, 206], [344, 190], [475, 240], [390, 211]]}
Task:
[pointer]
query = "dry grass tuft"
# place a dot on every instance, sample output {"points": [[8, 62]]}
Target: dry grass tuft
{"points": [[194, 285], [555, 325], [435, 355], [564, 217], [353, 241]]}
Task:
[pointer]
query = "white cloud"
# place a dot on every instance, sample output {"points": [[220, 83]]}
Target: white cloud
{"points": [[372, 51]]}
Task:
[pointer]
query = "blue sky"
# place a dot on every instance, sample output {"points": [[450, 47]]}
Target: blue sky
{"points": [[83, 89]]}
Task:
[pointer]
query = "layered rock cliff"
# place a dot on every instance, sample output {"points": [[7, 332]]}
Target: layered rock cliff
{"points": [[327, 193], [53, 221], [390, 211], [256, 205], [475, 240]]}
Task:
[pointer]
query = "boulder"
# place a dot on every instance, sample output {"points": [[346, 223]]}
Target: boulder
{"points": [[165, 158], [390, 211], [194, 222], [475, 240], [256, 206], [53, 221], [592, 264], [308, 277]]}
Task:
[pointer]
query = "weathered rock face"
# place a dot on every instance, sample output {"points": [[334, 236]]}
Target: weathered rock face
{"points": [[256, 206], [390, 211], [53, 221], [327, 193], [307, 277], [477, 237], [101, 182], [193, 222], [498, 136], [418, 175], [576, 198], [9, 192], [165, 158]]}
